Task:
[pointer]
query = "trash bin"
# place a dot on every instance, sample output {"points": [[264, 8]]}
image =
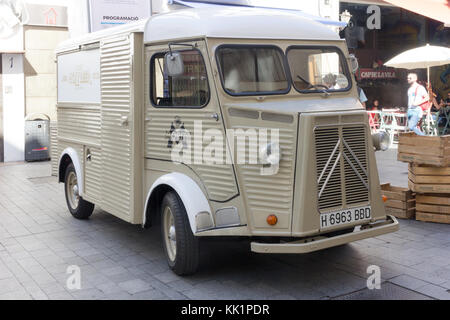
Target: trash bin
{"points": [[37, 137]]}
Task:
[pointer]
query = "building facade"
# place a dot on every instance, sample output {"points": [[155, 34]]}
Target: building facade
{"points": [[377, 31]]}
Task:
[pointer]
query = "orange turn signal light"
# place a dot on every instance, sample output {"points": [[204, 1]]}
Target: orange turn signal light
{"points": [[272, 220], [384, 198]]}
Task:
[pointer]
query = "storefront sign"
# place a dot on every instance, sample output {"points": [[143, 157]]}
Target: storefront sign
{"points": [[376, 74], [109, 13]]}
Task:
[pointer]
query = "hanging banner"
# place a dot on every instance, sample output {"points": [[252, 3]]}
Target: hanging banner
{"points": [[110, 13]]}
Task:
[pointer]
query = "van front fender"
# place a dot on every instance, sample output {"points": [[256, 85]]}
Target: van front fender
{"points": [[193, 198], [72, 154]]}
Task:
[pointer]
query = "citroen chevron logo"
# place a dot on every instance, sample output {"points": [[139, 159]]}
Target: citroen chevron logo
{"points": [[342, 150]]}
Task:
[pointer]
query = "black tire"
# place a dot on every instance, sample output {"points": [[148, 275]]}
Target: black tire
{"points": [[185, 261], [83, 209]]}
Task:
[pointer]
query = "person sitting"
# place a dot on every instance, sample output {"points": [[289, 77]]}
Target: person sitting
{"points": [[374, 118], [375, 105], [330, 81]]}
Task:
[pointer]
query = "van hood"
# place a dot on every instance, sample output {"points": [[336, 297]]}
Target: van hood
{"points": [[303, 106]]}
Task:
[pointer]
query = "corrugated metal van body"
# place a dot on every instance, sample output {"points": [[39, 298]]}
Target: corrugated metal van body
{"points": [[93, 175], [79, 127], [121, 117], [336, 169], [218, 179], [54, 147], [81, 123], [106, 135], [266, 194], [116, 91]]}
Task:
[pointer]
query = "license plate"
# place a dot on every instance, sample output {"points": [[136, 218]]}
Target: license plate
{"points": [[347, 216]]}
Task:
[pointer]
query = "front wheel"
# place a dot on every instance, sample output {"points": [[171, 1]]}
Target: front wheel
{"points": [[180, 244], [78, 207]]}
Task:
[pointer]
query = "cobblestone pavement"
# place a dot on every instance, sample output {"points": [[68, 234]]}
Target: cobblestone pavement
{"points": [[39, 240]]}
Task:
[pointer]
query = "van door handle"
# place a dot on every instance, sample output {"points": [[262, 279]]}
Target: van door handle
{"points": [[215, 116], [124, 121]]}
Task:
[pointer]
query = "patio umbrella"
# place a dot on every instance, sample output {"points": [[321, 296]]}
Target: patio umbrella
{"points": [[422, 57]]}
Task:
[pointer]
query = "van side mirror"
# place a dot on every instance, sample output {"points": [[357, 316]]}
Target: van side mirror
{"points": [[354, 65], [173, 64]]}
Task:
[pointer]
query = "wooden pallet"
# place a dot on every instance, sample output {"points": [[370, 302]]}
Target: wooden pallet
{"points": [[424, 149], [427, 179], [400, 201], [433, 208]]}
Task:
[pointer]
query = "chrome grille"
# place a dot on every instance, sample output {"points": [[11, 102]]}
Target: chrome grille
{"points": [[328, 156], [355, 164], [341, 165]]}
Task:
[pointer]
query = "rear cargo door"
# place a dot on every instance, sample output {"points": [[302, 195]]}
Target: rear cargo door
{"points": [[120, 114]]}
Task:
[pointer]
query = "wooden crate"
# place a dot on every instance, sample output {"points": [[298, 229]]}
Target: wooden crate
{"points": [[428, 179], [424, 149], [400, 201], [433, 208]]}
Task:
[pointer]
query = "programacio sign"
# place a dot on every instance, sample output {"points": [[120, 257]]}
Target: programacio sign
{"points": [[376, 74], [109, 13]]}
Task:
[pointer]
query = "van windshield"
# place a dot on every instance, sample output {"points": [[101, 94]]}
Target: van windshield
{"points": [[252, 70], [318, 69]]}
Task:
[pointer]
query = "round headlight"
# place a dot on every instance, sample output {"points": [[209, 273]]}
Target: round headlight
{"points": [[381, 140]]}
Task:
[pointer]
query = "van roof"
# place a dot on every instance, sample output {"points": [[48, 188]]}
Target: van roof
{"points": [[235, 22], [229, 22]]}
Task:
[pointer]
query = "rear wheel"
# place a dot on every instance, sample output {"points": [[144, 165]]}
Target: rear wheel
{"points": [[180, 244], [78, 207]]}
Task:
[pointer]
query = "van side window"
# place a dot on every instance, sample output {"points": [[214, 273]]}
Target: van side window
{"points": [[189, 89]]}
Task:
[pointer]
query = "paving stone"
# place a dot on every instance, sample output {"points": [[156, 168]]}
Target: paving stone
{"points": [[9, 285], [63, 295], [435, 291], [87, 294], [20, 294], [122, 261], [135, 286], [149, 295], [408, 282], [36, 292]]}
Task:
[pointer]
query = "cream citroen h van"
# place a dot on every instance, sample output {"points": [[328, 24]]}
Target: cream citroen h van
{"points": [[219, 122]]}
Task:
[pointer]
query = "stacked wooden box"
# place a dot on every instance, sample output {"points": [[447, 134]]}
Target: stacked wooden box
{"points": [[428, 174], [400, 201], [428, 150]]}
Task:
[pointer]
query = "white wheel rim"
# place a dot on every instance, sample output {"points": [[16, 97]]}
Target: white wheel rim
{"points": [[72, 190], [170, 234]]}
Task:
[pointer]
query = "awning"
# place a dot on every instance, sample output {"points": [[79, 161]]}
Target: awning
{"points": [[216, 3], [435, 9]]}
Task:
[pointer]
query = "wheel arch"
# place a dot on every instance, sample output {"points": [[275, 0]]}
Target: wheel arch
{"points": [[192, 197], [69, 155]]}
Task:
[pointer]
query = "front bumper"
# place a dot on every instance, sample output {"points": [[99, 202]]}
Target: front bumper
{"points": [[320, 242]]}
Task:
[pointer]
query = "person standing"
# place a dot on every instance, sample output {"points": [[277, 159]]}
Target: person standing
{"points": [[417, 97], [362, 97]]}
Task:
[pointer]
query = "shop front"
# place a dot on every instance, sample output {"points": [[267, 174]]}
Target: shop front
{"points": [[376, 32]]}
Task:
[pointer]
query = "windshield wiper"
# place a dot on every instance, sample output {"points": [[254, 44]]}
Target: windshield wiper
{"points": [[325, 91]]}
